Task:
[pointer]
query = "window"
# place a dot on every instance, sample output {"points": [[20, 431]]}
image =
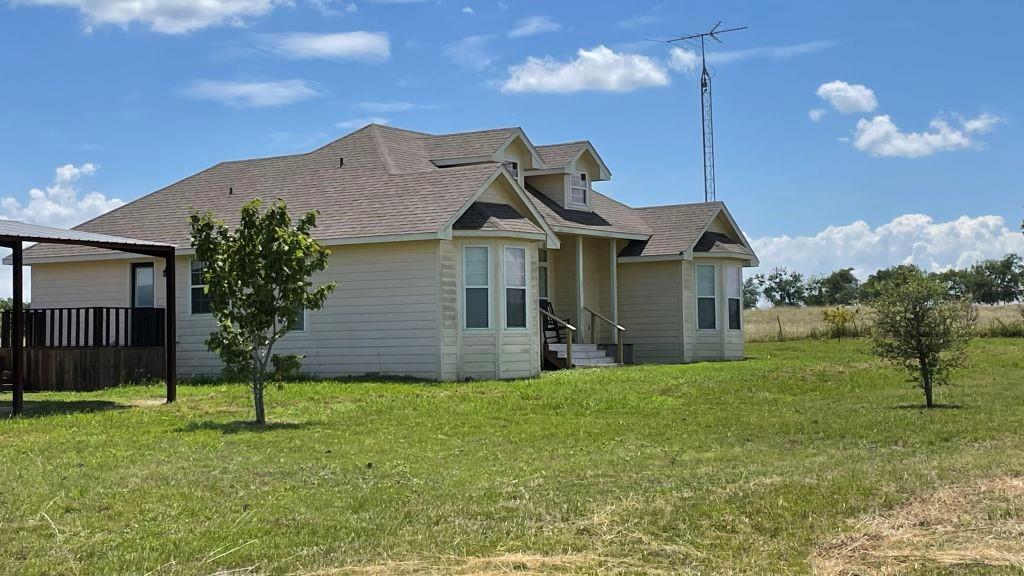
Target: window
{"points": [[515, 287], [477, 284], [513, 167], [734, 291], [197, 283], [300, 322], [542, 269], [706, 303], [143, 284], [578, 189]]}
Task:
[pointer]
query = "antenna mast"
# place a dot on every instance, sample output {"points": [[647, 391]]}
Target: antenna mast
{"points": [[707, 124]]}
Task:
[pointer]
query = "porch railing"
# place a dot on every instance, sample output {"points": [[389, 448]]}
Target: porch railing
{"points": [[618, 330], [93, 327], [569, 338]]}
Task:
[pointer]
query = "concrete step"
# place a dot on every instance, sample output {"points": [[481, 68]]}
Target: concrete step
{"points": [[577, 354], [588, 362], [575, 348]]}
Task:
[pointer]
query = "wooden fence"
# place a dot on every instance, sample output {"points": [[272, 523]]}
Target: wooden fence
{"points": [[87, 348]]}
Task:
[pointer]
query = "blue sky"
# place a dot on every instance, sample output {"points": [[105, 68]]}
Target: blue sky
{"points": [[916, 105]]}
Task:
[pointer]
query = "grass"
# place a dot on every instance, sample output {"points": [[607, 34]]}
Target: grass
{"points": [[762, 324], [751, 467]]}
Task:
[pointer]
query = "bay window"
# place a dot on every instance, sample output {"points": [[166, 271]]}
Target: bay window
{"points": [[707, 302], [477, 286], [515, 287]]}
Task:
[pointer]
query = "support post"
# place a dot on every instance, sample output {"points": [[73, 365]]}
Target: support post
{"points": [[613, 266], [170, 334], [17, 332], [579, 289]]}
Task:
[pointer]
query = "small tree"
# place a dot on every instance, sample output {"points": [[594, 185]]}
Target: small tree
{"points": [[258, 280], [751, 292], [783, 288], [921, 328]]}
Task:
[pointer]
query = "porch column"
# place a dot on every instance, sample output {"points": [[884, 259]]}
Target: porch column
{"points": [[170, 332], [17, 333], [613, 266], [579, 289]]}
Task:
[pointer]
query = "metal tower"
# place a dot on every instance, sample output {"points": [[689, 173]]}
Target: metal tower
{"points": [[707, 124]]}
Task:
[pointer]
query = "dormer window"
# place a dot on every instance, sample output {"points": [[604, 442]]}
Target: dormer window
{"points": [[579, 190], [513, 167]]}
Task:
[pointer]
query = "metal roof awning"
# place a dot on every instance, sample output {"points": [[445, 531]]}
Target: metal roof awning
{"points": [[14, 233]]}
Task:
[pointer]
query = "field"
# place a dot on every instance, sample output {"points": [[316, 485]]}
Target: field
{"points": [[762, 324], [810, 457]]}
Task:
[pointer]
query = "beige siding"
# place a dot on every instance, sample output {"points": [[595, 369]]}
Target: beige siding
{"points": [[497, 351], [551, 185], [650, 308], [449, 303], [83, 284]]}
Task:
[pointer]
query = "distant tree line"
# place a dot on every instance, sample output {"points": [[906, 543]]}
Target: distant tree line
{"points": [[994, 281]]}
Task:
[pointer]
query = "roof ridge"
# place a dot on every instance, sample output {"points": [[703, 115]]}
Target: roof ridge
{"points": [[382, 148], [501, 129], [714, 202], [562, 143]]}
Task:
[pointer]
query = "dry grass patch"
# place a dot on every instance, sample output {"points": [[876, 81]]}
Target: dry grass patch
{"points": [[979, 523], [513, 563]]}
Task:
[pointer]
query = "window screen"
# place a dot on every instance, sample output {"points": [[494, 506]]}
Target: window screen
{"points": [[476, 269], [706, 303], [734, 291], [515, 287]]}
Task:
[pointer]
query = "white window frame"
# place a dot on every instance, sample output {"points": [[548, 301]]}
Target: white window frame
{"points": [[465, 301], [586, 190], [697, 296], [545, 264], [305, 322], [525, 287], [190, 287], [729, 270]]}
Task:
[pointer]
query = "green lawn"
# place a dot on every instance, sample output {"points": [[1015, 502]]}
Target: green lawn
{"points": [[744, 467]]}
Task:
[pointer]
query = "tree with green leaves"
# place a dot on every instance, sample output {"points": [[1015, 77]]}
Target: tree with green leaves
{"points": [[921, 328], [871, 288], [840, 288], [258, 280], [751, 292], [782, 287]]}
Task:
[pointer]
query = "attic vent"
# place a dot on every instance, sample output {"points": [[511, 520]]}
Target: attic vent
{"points": [[341, 162]]}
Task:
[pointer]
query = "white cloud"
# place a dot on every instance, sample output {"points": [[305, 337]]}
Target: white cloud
{"points": [[253, 94], [60, 204], [982, 124], [392, 106], [597, 69], [471, 52], [468, 10], [354, 123], [881, 137], [166, 16], [533, 25], [327, 8], [358, 45], [817, 114], [848, 98], [769, 52], [908, 239], [683, 60]]}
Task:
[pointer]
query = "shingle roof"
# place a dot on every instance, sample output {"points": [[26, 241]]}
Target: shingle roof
{"points": [[467, 144], [674, 229], [607, 216], [388, 184], [496, 217], [718, 242], [385, 187], [558, 155]]}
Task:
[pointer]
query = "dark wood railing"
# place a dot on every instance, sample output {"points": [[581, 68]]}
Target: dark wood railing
{"points": [[94, 327]]}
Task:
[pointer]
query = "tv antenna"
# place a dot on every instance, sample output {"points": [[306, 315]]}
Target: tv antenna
{"points": [[707, 125]]}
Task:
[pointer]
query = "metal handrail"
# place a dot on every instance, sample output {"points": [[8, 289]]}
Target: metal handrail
{"points": [[568, 341], [618, 330]]}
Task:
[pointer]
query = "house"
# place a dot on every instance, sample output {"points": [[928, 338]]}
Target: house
{"points": [[443, 247]]}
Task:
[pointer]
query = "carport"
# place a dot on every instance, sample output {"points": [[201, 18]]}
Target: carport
{"points": [[14, 234]]}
